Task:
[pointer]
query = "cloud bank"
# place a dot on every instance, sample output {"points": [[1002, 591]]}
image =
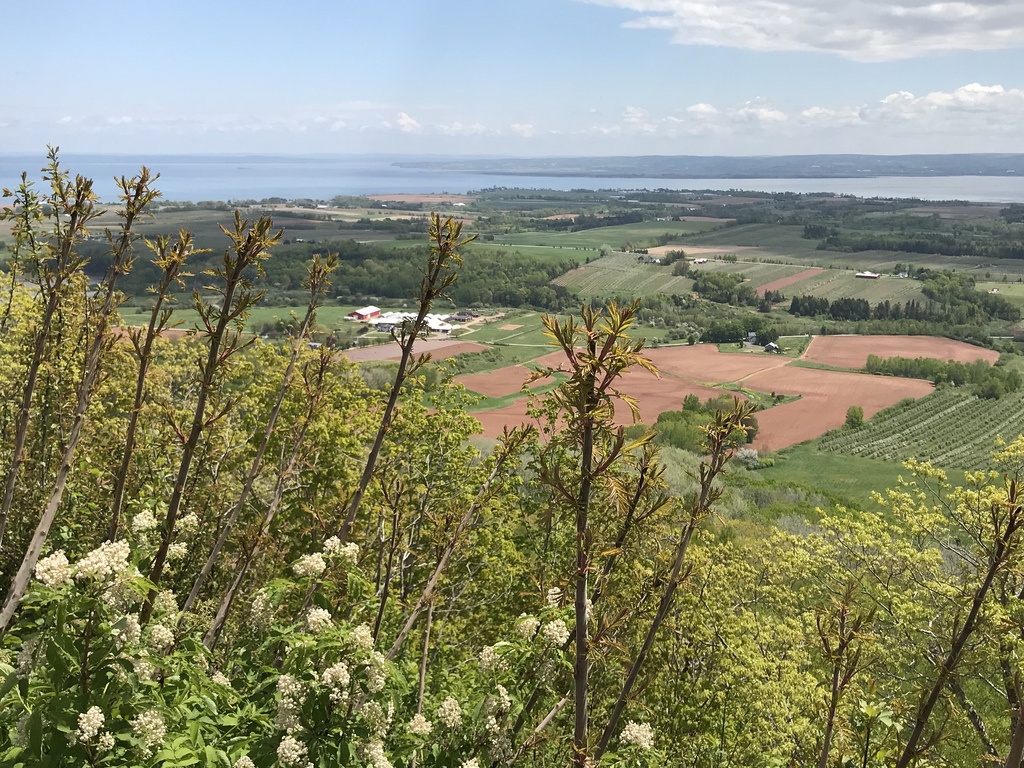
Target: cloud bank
{"points": [[862, 30]]}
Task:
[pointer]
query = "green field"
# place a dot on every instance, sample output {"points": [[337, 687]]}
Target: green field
{"points": [[837, 284], [757, 273], [545, 253], [620, 274], [948, 428], [638, 235]]}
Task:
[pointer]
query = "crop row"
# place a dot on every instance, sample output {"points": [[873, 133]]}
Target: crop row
{"points": [[948, 428]]}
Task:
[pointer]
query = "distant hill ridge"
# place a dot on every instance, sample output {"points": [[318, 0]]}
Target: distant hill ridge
{"points": [[726, 167]]}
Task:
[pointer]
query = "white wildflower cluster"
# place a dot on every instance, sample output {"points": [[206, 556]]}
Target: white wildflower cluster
{"points": [[177, 551], [361, 638], [336, 679], [144, 668], [27, 657], [244, 762], [291, 753], [490, 659], [261, 610], [144, 521], [526, 626], [108, 559], [221, 679], [554, 597], [90, 723], [189, 524], [637, 735], [149, 728], [555, 632], [165, 602], [502, 700], [54, 570], [132, 631], [289, 705], [160, 637], [419, 725], [373, 753], [450, 713], [376, 718], [348, 553], [309, 565], [501, 744], [105, 741], [318, 619], [470, 763], [376, 672]]}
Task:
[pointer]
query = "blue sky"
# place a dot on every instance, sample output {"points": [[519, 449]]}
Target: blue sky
{"points": [[531, 77]]}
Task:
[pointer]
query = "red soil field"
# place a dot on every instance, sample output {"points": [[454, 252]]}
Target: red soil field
{"points": [[785, 282], [826, 395], [853, 351], [704, 363], [499, 383], [438, 348]]}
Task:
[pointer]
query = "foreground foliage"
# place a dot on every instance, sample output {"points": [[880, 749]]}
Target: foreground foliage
{"points": [[288, 568]]}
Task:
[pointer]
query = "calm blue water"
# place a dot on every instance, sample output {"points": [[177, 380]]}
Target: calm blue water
{"points": [[234, 177]]}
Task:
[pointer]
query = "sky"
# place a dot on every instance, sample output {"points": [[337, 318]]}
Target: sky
{"points": [[514, 77]]}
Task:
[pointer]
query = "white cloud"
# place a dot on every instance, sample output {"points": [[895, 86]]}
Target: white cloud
{"points": [[407, 124], [526, 130], [754, 112], [702, 110], [458, 129], [864, 30]]}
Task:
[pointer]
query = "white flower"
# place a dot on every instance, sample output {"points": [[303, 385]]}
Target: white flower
{"points": [[450, 713], [54, 570], [289, 687], [491, 726], [177, 551], [290, 704], [105, 741], [554, 597], [221, 679], [143, 667], [309, 565], [637, 734], [471, 763], [132, 631], [244, 762], [161, 637], [291, 752], [362, 637], [527, 626], [108, 559], [376, 718], [149, 728], [375, 756], [489, 658], [318, 619], [89, 724], [27, 657], [165, 602], [376, 672], [348, 553], [336, 679], [189, 523], [261, 610], [332, 546], [555, 632], [144, 521], [419, 725], [504, 701]]}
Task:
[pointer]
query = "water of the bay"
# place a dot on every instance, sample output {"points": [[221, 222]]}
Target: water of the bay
{"points": [[243, 177]]}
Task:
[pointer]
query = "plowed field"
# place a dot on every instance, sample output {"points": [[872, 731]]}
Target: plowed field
{"points": [[853, 351]]}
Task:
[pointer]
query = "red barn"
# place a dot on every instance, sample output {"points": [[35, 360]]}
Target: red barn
{"points": [[366, 313]]}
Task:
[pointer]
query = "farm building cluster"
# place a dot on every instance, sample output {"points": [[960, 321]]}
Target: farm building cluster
{"points": [[385, 322]]}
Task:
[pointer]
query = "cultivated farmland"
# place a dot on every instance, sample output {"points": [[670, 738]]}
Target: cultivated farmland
{"points": [[948, 428], [853, 351], [620, 274]]}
